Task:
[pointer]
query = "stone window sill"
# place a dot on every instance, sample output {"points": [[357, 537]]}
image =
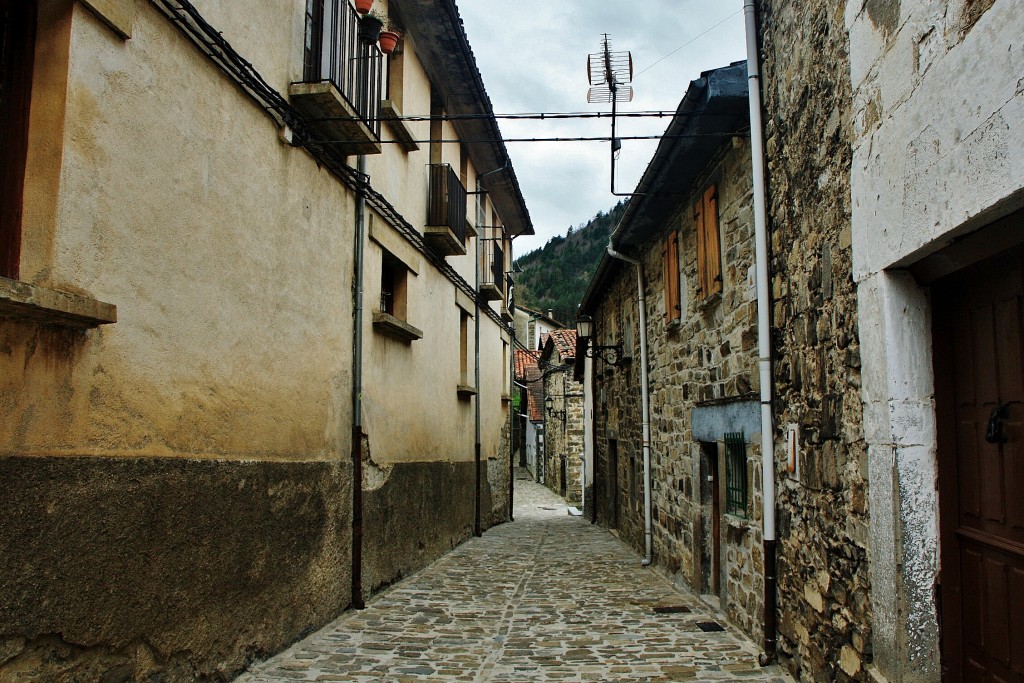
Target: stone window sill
{"points": [[22, 301], [393, 327], [736, 522], [505, 398], [466, 391]]}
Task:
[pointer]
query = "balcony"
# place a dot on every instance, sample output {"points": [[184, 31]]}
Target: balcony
{"points": [[492, 269], [446, 212], [342, 79]]}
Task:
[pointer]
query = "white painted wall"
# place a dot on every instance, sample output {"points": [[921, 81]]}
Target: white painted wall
{"points": [[938, 152]]}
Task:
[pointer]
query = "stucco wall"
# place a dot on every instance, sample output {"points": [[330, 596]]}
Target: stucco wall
{"points": [[938, 134], [177, 482]]}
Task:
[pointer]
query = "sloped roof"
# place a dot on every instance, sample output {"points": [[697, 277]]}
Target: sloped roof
{"points": [[448, 59], [713, 109], [535, 394], [563, 341], [525, 359]]}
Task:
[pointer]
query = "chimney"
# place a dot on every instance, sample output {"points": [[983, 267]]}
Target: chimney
{"points": [[551, 313]]}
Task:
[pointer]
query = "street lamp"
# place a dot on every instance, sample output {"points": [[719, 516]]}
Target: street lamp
{"points": [[611, 354], [549, 405]]}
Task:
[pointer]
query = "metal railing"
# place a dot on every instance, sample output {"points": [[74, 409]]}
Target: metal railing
{"points": [[492, 264], [446, 205], [334, 52]]}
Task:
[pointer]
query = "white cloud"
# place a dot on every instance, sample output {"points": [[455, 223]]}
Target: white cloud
{"points": [[533, 57]]}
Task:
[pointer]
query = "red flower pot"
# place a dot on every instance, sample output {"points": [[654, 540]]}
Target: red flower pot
{"points": [[363, 6], [388, 41]]}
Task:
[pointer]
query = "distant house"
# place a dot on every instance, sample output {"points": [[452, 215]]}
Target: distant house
{"points": [[532, 327], [562, 457], [529, 415]]}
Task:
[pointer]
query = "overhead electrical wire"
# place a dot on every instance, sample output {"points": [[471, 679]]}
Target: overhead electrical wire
{"points": [[691, 42], [605, 138]]}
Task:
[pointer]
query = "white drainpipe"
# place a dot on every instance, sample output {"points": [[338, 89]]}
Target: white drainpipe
{"points": [[764, 347], [645, 400]]}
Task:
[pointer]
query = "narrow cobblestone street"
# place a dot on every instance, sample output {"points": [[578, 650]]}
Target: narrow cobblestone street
{"points": [[548, 597]]}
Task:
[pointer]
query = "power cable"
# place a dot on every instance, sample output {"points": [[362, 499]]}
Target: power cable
{"points": [[691, 42]]}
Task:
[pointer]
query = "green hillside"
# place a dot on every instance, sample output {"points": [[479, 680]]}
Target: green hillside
{"points": [[556, 275]]}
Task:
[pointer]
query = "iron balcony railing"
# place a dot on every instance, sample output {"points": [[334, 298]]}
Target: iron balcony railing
{"points": [[447, 200], [492, 264], [335, 53]]}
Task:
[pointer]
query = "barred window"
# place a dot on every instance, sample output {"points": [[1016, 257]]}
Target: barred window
{"points": [[735, 474]]}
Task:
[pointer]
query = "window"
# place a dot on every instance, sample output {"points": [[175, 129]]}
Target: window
{"points": [[392, 311], [670, 252], [735, 474], [394, 282], [463, 347], [709, 259], [16, 54]]}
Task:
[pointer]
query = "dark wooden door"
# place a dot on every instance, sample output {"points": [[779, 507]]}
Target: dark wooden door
{"points": [[979, 369]]}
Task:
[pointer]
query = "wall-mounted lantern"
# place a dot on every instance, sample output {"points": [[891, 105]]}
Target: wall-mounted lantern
{"points": [[612, 355], [549, 405]]}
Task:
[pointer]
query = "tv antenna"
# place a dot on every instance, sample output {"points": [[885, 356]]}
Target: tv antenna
{"points": [[610, 74]]}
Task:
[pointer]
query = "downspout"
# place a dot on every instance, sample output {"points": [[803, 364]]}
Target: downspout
{"points": [[764, 348], [477, 525], [357, 397], [645, 399]]}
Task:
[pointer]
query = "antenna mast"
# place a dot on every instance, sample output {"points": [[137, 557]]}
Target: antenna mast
{"points": [[610, 74]]}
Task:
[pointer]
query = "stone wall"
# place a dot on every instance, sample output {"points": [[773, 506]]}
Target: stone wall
{"points": [[169, 569], [703, 374], [563, 438], [824, 603]]}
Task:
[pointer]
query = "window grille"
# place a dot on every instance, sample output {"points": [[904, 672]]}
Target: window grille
{"points": [[735, 474]]}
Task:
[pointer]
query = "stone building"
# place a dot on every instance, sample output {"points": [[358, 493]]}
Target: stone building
{"points": [[562, 457], [238, 317], [895, 176], [690, 226]]}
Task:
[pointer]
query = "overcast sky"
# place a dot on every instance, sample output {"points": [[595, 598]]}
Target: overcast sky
{"points": [[533, 57]]}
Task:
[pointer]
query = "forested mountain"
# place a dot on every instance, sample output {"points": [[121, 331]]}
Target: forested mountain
{"points": [[556, 275]]}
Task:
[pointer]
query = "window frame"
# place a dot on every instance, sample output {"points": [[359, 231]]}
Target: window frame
{"points": [[17, 63], [670, 256], [737, 486]]}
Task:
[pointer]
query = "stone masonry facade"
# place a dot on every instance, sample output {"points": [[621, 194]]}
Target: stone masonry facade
{"points": [[704, 362], [824, 586], [563, 435]]}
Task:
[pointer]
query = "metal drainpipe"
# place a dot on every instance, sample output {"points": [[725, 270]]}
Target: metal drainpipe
{"points": [[763, 334], [357, 398], [477, 526], [645, 399]]}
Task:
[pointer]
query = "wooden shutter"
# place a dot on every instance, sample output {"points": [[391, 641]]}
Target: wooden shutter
{"points": [[671, 269], [709, 256], [712, 242], [698, 219]]}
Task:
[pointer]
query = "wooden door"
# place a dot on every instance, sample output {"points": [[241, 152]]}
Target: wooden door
{"points": [[710, 521], [979, 370]]}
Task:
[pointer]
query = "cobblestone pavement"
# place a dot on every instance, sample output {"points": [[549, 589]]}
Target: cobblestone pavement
{"points": [[548, 597]]}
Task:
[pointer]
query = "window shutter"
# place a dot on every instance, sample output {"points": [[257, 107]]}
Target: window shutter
{"points": [[712, 241], [698, 218], [672, 309]]}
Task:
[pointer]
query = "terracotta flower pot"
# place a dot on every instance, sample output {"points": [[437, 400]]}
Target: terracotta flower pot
{"points": [[388, 41], [363, 6]]}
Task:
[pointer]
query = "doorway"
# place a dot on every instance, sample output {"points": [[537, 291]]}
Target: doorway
{"points": [[978, 334], [709, 565]]}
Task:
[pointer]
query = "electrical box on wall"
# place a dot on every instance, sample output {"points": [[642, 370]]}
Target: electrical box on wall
{"points": [[793, 451]]}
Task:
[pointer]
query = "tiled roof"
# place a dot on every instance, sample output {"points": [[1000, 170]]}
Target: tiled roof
{"points": [[565, 342], [525, 359], [535, 395]]}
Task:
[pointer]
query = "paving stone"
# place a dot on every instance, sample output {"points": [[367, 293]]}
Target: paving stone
{"points": [[548, 597]]}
